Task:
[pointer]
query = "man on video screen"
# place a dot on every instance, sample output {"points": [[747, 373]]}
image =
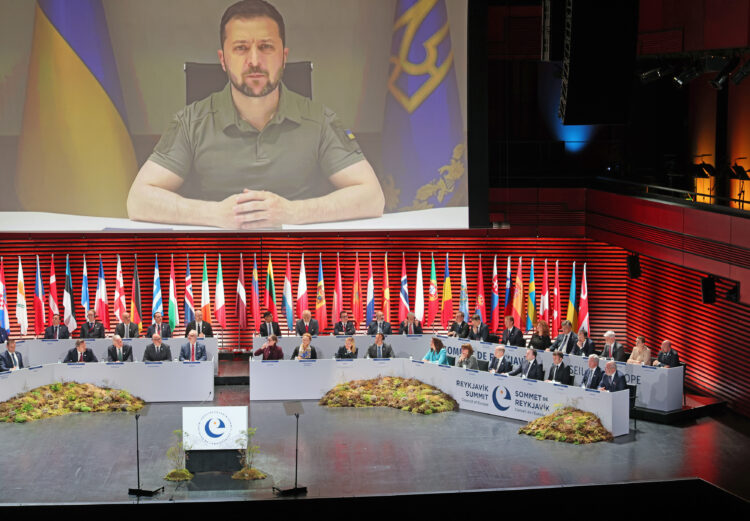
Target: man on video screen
{"points": [[260, 154]]}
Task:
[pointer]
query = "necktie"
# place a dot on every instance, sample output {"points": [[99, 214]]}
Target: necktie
{"points": [[192, 352], [307, 327], [380, 352], [380, 327], [80, 357], [119, 354], [528, 368], [57, 332], [199, 328], [554, 372], [411, 329], [15, 360], [127, 330]]}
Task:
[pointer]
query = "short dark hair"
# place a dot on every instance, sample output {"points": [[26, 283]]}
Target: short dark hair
{"points": [[248, 9], [557, 354], [80, 341], [342, 313], [476, 316], [267, 314]]}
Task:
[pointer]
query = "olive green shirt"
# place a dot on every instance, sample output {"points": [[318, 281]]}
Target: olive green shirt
{"points": [[218, 153]]}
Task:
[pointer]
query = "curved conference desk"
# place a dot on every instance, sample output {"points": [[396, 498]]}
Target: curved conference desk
{"points": [[479, 391], [150, 381], [657, 388]]}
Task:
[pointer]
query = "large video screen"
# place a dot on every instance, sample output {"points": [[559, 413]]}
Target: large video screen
{"points": [[206, 114]]}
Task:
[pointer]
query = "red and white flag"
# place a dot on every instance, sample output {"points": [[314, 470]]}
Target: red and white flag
{"points": [[544, 301], [556, 313], [241, 306], [583, 306], [302, 303], [53, 308], [403, 295], [120, 304]]}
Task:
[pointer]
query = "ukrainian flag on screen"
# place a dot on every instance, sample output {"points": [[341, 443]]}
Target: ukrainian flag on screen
{"points": [[424, 155], [75, 154]]}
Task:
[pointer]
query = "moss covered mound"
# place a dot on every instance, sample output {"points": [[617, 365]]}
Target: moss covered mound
{"points": [[248, 474], [405, 394], [178, 475], [64, 398], [568, 424]]}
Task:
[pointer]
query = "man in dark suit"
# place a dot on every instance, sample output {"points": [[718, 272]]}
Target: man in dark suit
{"points": [[613, 380], [306, 324], [566, 341], [344, 326], [559, 372], [268, 327], [410, 326], [667, 357], [126, 329], [612, 348], [459, 328], [593, 374], [57, 330], [379, 325], [530, 367], [512, 336], [3, 335], [201, 327], [80, 353], [584, 346], [119, 352], [10, 360], [157, 351], [91, 328], [193, 351], [499, 363], [159, 327], [380, 349], [478, 330]]}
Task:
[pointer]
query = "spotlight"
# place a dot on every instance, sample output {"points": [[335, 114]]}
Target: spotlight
{"points": [[740, 73], [656, 74], [721, 78], [733, 293], [686, 76]]}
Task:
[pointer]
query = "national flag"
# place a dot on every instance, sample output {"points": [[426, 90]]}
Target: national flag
{"points": [[102, 306], [320, 299], [463, 296], [205, 293], [69, 317], [270, 295], [517, 313], [423, 129], [338, 303], [22, 318], [219, 305], [508, 308], [174, 315], [432, 303], [286, 296], [357, 294], [120, 304], [544, 301], [302, 302], [386, 291], [85, 288], [583, 307], [446, 308], [419, 293], [136, 311], [74, 119], [370, 293], [572, 314], [255, 295], [241, 300], [156, 302], [403, 299], [39, 312], [495, 298], [481, 308], [556, 310], [531, 302], [189, 306], [4, 315], [53, 308]]}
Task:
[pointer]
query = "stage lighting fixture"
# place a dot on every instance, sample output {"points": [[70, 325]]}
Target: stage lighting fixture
{"points": [[733, 293], [721, 78], [740, 73], [686, 76], [656, 74]]}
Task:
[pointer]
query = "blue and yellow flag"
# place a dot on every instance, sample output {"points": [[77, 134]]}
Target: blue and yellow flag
{"points": [[572, 314], [75, 153], [424, 156]]}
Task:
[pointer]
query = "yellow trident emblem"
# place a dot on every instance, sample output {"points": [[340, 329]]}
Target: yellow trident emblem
{"points": [[412, 19]]}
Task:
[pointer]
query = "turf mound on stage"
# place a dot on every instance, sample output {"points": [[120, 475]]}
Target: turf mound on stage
{"points": [[569, 425], [405, 394]]}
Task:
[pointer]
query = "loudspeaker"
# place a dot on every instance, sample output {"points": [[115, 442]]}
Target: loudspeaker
{"points": [[634, 266], [733, 293], [598, 60], [708, 290]]}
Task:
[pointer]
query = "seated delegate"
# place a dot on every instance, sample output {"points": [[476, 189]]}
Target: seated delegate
{"points": [[270, 349], [467, 360], [436, 353], [348, 350], [305, 351]]}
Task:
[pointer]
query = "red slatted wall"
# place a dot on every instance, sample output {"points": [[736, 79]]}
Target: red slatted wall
{"points": [[665, 303]]}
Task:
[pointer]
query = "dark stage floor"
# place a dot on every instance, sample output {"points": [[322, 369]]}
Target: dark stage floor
{"points": [[352, 452]]}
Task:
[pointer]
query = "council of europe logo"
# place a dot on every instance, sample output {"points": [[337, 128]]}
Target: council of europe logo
{"points": [[504, 397], [214, 427]]}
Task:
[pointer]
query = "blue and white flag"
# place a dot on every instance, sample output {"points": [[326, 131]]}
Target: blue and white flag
{"points": [[156, 303], [85, 288]]}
